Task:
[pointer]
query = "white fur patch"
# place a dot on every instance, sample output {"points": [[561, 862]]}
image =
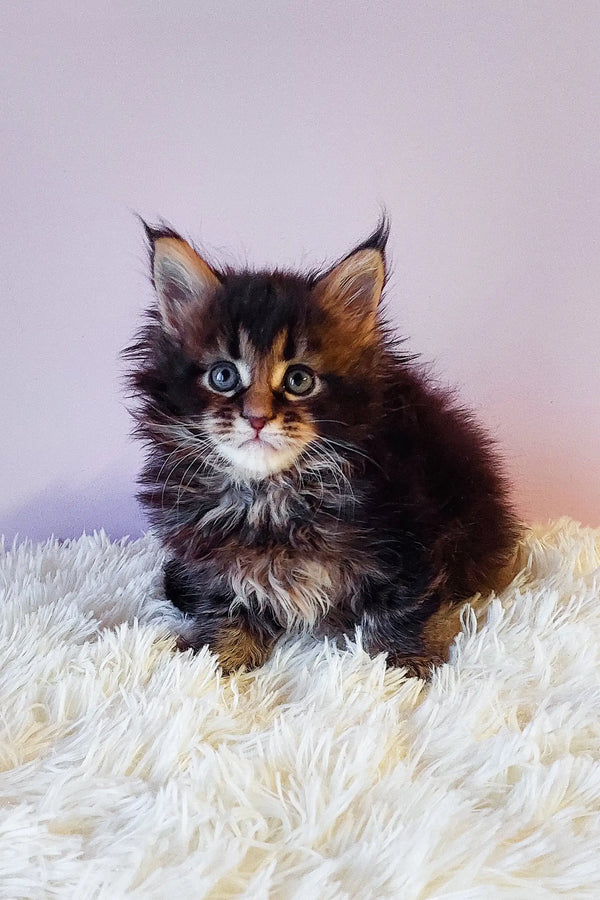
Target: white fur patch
{"points": [[254, 460], [298, 590]]}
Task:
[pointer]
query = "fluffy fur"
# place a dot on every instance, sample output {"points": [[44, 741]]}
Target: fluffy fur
{"points": [[321, 482], [130, 770]]}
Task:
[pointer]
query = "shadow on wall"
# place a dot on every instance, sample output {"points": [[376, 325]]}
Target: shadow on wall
{"points": [[66, 510]]}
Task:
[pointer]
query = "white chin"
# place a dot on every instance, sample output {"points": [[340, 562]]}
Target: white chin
{"points": [[254, 460]]}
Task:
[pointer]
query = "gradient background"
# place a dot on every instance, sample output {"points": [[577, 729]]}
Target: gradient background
{"points": [[272, 132]]}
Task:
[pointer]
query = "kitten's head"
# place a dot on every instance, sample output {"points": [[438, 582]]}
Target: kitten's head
{"points": [[256, 372]]}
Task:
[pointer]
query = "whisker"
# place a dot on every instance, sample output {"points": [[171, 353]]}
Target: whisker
{"points": [[167, 481], [351, 448], [331, 422]]}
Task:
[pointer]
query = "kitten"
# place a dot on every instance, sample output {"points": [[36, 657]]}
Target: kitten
{"points": [[302, 472]]}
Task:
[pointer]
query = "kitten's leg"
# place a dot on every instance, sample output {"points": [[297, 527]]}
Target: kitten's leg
{"points": [[242, 643], [234, 639], [239, 638], [408, 642], [181, 588]]}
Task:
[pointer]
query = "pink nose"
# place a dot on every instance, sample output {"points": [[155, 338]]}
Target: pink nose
{"points": [[257, 422]]}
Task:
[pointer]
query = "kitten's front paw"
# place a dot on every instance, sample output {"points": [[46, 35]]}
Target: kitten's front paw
{"points": [[182, 644], [416, 666], [235, 647]]}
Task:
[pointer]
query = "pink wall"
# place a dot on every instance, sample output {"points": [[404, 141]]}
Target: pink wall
{"points": [[272, 131]]}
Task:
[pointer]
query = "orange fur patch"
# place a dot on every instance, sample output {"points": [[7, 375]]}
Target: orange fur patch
{"points": [[237, 647]]}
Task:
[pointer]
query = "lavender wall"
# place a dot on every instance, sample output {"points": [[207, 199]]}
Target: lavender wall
{"points": [[272, 131]]}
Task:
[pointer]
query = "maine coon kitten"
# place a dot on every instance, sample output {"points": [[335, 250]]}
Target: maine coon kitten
{"points": [[301, 471]]}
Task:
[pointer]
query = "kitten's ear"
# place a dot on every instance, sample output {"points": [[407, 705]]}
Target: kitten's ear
{"points": [[351, 291], [180, 277]]}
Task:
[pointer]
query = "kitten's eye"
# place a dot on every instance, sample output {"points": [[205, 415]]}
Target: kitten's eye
{"points": [[299, 380], [223, 377]]}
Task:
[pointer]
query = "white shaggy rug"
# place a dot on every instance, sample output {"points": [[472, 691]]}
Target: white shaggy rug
{"points": [[127, 769]]}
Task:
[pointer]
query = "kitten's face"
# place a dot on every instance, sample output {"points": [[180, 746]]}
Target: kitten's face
{"points": [[258, 410], [266, 364]]}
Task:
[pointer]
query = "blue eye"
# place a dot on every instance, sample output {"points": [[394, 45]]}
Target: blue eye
{"points": [[223, 377], [299, 380]]}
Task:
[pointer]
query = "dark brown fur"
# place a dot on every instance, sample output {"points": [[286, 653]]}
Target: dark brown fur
{"points": [[395, 509]]}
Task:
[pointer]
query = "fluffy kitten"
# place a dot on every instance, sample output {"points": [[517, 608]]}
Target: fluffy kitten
{"points": [[301, 470]]}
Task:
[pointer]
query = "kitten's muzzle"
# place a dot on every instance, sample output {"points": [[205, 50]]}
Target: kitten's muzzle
{"points": [[257, 406]]}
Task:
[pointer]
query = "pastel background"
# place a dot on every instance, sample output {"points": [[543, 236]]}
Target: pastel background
{"points": [[272, 132]]}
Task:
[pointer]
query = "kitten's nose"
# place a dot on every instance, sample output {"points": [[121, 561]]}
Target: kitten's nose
{"points": [[257, 422]]}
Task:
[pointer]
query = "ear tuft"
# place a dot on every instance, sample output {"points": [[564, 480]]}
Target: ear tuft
{"points": [[154, 232], [379, 238]]}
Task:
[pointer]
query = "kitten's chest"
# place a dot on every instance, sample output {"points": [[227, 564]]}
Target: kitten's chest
{"points": [[297, 589], [293, 558]]}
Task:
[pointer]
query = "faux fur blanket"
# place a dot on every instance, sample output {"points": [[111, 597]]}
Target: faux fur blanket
{"points": [[127, 769]]}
